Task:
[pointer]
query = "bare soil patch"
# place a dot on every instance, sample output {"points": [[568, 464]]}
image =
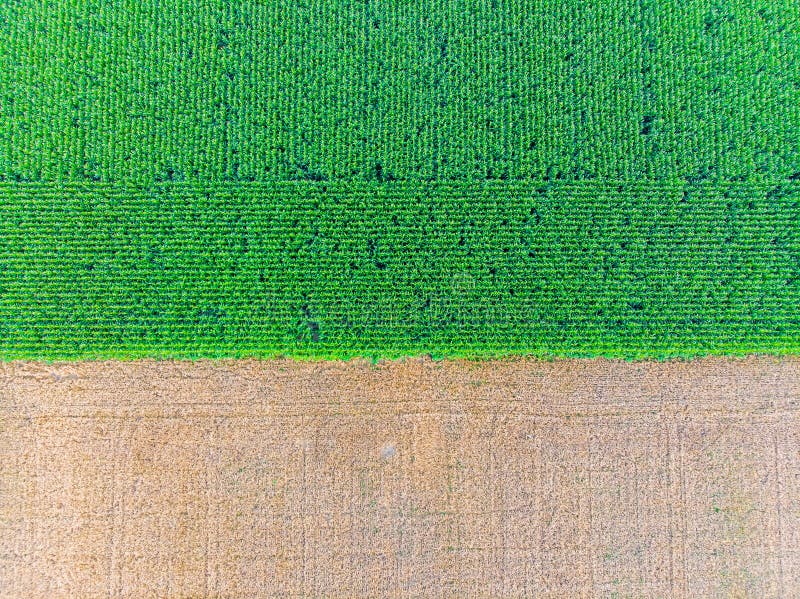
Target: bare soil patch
{"points": [[412, 478]]}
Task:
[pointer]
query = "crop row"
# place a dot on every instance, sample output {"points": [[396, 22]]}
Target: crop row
{"points": [[333, 90], [241, 270]]}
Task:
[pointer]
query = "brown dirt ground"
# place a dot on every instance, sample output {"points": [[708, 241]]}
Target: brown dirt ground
{"points": [[413, 478]]}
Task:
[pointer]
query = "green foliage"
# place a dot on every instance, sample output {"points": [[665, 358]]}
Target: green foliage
{"points": [[333, 269], [211, 90], [324, 178]]}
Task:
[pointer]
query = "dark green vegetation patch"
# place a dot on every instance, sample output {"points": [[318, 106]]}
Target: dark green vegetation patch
{"points": [[337, 178]]}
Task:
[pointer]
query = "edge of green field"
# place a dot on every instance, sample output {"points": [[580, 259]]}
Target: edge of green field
{"points": [[619, 354]]}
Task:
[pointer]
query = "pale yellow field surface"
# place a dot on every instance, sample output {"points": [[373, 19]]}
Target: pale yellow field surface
{"points": [[516, 478]]}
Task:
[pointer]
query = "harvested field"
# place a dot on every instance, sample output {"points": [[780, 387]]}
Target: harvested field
{"points": [[411, 478]]}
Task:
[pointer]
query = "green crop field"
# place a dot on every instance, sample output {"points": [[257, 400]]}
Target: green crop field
{"points": [[320, 178]]}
